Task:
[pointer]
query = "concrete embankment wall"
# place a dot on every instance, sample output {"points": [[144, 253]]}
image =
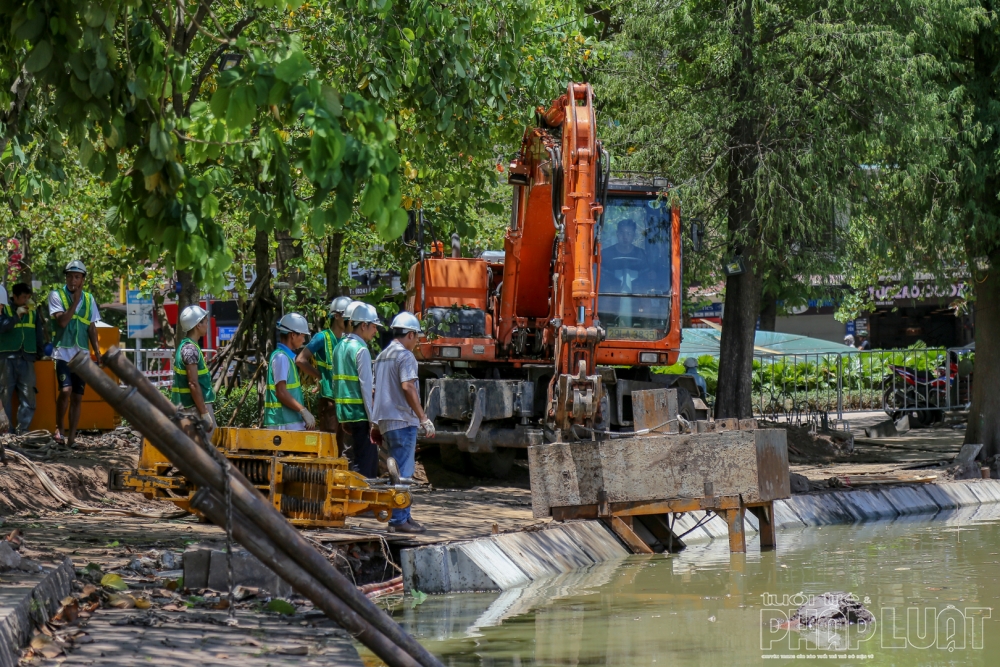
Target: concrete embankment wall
{"points": [[512, 560]]}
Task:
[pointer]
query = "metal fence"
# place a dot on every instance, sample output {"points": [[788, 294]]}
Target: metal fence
{"points": [[921, 383], [157, 364]]}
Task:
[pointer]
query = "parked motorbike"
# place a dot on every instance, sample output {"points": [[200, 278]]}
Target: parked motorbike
{"points": [[920, 395]]}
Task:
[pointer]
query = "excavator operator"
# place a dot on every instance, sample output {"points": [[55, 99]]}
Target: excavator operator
{"points": [[624, 261]]}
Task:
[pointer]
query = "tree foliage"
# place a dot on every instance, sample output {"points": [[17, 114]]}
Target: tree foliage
{"points": [[335, 110]]}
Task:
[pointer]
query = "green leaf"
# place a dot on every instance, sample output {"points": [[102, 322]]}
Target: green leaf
{"points": [[281, 607], [101, 82], [408, 34], [31, 28], [242, 107], [40, 57], [396, 225], [114, 582], [94, 14], [220, 102], [190, 224], [294, 67], [209, 206]]}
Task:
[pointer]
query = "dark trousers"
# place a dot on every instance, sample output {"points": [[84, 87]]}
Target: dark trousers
{"points": [[365, 451]]}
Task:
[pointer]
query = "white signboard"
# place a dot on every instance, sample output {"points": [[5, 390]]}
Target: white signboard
{"points": [[140, 315]]}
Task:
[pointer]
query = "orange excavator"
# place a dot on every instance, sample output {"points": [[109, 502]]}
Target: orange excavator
{"points": [[546, 340]]}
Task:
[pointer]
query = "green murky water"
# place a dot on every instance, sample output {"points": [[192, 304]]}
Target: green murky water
{"points": [[931, 584]]}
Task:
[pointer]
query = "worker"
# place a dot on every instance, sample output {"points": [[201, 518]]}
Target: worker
{"points": [[197, 399], [398, 415], [20, 342], [691, 368], [284, 409], [75, 315], [316, 361], [352, 374]]}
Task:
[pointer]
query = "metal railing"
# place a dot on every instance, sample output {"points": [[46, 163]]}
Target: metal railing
{"points": [[157, 363], [922, 383]]}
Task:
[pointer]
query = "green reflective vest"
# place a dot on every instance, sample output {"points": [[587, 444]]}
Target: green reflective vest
{"points": [[74, 334], [324, 362], [22, 336], [180, 392], [276, 414], [346, 384]]}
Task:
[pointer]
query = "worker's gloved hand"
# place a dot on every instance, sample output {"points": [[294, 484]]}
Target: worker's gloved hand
{"points": [[22, 310], [426, 429], [208, 422], [309, 420], [375, 435]]}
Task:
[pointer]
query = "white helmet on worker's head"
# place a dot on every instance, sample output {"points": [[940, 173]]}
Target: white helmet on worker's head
{"points": [[191, 317], [293, 323], [365, 312], [349, 311], [340, 304], [690, 362], [76, 266], [405, 321]]}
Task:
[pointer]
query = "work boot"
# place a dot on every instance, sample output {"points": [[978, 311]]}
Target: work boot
{"points": [[411, 527]]}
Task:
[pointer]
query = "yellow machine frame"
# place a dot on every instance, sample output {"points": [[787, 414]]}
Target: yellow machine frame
{"points": [[298, 471]]}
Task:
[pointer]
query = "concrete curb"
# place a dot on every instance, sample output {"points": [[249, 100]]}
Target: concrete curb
{"points": [[38, 604], [502, 562]]}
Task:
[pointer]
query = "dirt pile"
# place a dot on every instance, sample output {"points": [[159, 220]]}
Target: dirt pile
{"points": [[81, 472], [805, 446]]}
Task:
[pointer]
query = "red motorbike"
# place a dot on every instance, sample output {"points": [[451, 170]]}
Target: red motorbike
{"points": [[920, 395]]}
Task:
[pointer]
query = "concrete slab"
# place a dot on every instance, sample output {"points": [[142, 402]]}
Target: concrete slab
{"points": [[819, 510], [959, 493], [940, 497], [443, 568], [596, 540], [866, 504], [984, 490], [530, 552], [786, 517], [911, 500], [493, 562]]}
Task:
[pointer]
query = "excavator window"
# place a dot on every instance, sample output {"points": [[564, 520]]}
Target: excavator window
{"points": [[634, 297]]}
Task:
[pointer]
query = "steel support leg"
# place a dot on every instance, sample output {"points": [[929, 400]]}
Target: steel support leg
{"points": [[622, 526], [765, 520], [737, 535]]}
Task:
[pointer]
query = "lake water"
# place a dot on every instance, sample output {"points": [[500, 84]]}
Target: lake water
{"points": [[932, 585]]}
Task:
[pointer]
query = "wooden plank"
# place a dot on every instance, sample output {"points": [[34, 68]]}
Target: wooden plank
{"points": [[624, 531]]}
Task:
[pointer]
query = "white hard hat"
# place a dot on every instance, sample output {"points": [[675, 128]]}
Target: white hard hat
{"points": [[364, 312], [350, 309], [690, 362], [406, 321], [191, 317], [340, 304], [293, 323], [76, 266]]}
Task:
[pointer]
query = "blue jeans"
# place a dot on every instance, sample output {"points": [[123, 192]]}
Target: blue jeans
{"points": [[20, 377], [402, 443]]}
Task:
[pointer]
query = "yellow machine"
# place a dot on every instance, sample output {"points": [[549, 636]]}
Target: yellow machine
{"points": [[298, 471]]}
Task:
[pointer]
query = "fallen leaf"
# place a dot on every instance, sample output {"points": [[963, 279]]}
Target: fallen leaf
{"points": [[88, 590], [40, 642], [68, 612], [251, 642], [173, 607], [142, 603], [114, 582], [292, 650], [121, 601], [221, 604], [51, 651], [69, 599], [174, 584], [281, 606]]}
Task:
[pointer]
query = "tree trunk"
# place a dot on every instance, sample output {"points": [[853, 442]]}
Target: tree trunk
{"points": [[25, 274], [189, 293], [289, 249], [768, 313], [733, 396], [984, 415], [334, 248], [261, 254], [161, 316]]}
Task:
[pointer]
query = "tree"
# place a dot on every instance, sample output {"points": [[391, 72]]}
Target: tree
{"points": [[293, 113], [763, 114]]}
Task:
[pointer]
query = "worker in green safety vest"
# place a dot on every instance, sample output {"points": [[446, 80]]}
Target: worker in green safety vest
{"points": [[316, 361], [353, 385], [192, 386], [75, 315], [284, 405], [20, 342]]}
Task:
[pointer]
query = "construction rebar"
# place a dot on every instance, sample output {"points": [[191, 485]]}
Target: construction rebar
{"points": [[198, 466]]}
